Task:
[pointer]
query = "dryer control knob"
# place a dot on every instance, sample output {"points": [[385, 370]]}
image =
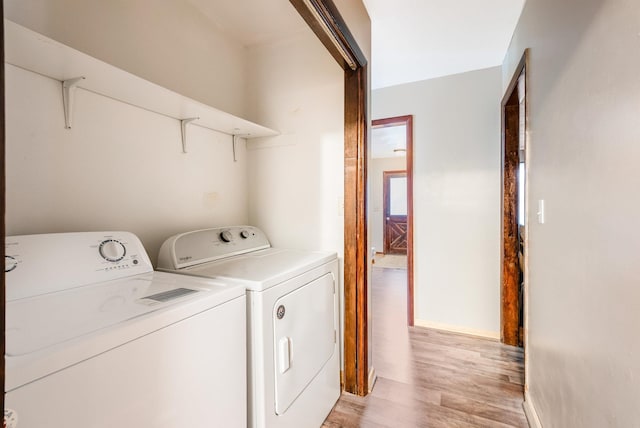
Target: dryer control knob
{"points": [[244, 234], [112, 250], [226, 236]]}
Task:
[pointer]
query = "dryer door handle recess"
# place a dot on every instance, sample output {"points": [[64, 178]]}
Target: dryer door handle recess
{"points": [[285, 354]]}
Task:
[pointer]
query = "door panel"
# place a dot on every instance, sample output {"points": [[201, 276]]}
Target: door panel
{"points": [[396, 236], [395, 212], [304, 337]]}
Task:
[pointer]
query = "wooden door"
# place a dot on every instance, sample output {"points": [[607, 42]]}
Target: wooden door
{"points": [[395, 212]]}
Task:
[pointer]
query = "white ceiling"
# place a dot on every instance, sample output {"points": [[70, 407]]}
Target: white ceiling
{"points": [[416, 40]]}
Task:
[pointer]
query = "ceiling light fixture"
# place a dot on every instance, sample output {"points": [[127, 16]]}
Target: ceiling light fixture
{"points": [[320, 15]]}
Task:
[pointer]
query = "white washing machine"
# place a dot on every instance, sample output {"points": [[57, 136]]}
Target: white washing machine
{"points": [[95, 338], [292, 298]]}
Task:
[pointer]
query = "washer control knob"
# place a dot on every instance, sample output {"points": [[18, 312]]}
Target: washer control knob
{"points": [[244, 234], [226, 236], [10, 263], [112, 250]]}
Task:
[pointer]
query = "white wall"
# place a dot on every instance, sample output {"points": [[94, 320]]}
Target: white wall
{"points": [[295, 179], [119, 168], [583, 360], [456, 196], [167, 42], [375, 170]]}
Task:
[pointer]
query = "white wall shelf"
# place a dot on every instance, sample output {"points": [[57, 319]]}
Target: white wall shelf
{"points": [[32, 51]]}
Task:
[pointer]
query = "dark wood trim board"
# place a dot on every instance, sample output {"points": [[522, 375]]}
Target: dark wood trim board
{"points": [[510, 304]]}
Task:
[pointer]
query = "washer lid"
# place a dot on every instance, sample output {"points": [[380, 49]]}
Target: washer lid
{"points": [[260, 270], [49, 332], [52, 262]]}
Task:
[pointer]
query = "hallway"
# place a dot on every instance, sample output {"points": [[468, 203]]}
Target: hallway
{"points": [[431, 378]]}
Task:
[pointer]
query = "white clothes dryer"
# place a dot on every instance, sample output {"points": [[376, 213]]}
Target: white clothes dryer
{"points": [[95, 338], [293, 318]]}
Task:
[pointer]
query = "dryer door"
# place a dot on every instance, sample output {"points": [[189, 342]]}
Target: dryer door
{"points": [[305, 337]]}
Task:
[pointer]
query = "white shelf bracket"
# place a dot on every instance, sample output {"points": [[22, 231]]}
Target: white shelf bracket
{"points": [[68, 98], [183, 127], [235, 142], [235, 159]]}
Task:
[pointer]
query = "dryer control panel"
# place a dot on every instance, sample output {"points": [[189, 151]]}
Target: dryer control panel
{"points": [[201, 246], [39, 264]]}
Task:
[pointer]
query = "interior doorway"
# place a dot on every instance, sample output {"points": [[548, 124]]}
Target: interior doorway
{"points": [[514, 219], [391, 198]]}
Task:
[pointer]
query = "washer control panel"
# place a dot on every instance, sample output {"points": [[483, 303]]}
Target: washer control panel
{"points": [[200, 246], [38, 264]]}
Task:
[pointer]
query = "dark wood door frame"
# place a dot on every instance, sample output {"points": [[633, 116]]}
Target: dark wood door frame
{"points": [[510, 306], [408, 122], [388, 217], [356, 344]]}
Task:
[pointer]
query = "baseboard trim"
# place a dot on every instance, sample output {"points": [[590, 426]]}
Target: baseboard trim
{"points": [[372, 378], [456, 329], [530, 411]]}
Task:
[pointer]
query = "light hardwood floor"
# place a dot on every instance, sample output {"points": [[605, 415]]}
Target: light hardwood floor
{"points": [[431, 378]]}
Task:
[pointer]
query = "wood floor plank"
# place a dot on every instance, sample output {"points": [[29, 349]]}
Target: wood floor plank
{"points": [[435, 355], [432, 378], [400, 392], [484, 410]]}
